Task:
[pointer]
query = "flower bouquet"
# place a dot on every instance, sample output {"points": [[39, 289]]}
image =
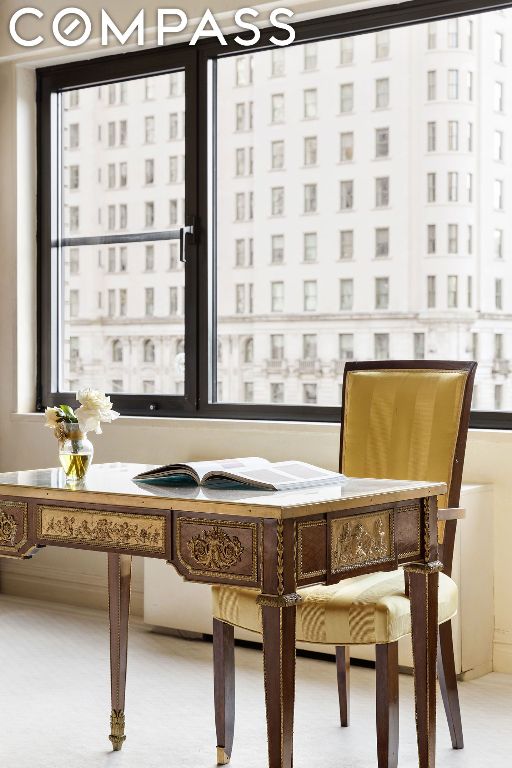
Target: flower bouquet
{"points": [[70, 427]]}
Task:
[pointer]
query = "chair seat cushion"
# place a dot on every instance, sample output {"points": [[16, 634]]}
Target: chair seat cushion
{"points": [[361, 610]]}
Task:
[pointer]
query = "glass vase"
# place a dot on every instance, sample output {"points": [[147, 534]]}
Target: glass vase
{"points": [[75, 452]]}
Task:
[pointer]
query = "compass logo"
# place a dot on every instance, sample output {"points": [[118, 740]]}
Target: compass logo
{"points": [[72, 27]]}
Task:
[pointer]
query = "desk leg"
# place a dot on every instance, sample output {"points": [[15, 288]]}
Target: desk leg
{"points": [[119, 575], [279, 669], [423, 596]]}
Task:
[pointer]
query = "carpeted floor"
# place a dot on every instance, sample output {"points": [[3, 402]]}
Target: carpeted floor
{"points": [[54, 703]]}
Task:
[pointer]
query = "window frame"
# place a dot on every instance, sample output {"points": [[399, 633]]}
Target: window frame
{"points": [[199, 63]]}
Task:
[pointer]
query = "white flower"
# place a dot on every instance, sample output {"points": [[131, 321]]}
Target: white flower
{"points": [[95, 408], [52, 417]]}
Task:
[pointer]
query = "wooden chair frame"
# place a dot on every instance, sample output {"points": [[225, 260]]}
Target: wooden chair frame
{"points": [[386, 655]]}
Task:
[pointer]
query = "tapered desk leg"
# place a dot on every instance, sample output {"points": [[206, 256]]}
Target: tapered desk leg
{"points": [[424, 581], [279, 669], [119, 576]]}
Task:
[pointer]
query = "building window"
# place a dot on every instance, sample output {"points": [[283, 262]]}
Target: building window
{"points": [[453, 135], [277, 296], [470, 291], [381, 142], [150, 215], [310, 247], [431, 238], [310, 295], [149, 130], [498, 346], [277, 155], [453, 187], [278, 63], [498, 97], [276, 346], [74, 261], [310, 198], [453, 83], [431, 85], [277, 108], [346, 147], [244, 70], [381, 242], [346, 51], [310, 150], [381, 292], [248, 350], [346, 244], [173, 300], [276, 392], [498, 293], [74, 303], [498, 194], [498, 48], [498, 397], [149, 302], [277, 201], [346, 294], [309, 346], [431, 137], [381, 346], [277, 249], [419, 346], [123, 300], [453, 33], [453, 238], [149, 258], [149, 351], [498, 145], [309, 394], [382, 93], [346, 195], [382, 44], [346, 346], [431, 292], [432, 35], [431, 187], [346, 97], [452, 286], [310, 103], [382, 192], [498, 243]]}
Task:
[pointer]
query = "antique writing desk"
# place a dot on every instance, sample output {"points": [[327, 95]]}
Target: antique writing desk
{"points": [[274, 542]]}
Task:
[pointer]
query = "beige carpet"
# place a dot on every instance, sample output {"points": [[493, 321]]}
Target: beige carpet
{"points": [[54, 703]]}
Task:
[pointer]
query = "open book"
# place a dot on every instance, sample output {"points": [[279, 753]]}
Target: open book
{"points": [[231, 473]]}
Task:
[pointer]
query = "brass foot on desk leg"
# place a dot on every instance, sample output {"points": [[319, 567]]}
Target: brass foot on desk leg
{"points": [[222, 757], [117, 736]]}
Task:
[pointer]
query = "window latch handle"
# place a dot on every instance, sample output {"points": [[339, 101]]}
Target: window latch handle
{"points": [[190, 230]]}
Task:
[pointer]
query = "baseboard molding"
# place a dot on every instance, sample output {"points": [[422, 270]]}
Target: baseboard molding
{"points": [[66, 587], [502, 661]]}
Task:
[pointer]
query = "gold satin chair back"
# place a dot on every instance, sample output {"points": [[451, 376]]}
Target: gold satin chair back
{"points": [[407, 420]]}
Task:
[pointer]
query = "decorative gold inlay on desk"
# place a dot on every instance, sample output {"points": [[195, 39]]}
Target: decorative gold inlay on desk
{"points": [[215, 549], [8, 529], [218, 548], [145, 533], [13, 527], [360, 540]]}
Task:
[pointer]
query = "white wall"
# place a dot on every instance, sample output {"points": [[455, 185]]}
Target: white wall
{"points": [[24, 443]]}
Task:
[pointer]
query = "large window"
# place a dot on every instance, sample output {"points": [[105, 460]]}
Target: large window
{"points": [[294, 208]]}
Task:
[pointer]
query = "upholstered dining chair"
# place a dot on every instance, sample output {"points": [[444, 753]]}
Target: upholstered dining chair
{"points": [[401, 420]]}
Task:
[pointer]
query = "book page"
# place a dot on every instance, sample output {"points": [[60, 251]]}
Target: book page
{"points": [[231, 466], [288, 475]]}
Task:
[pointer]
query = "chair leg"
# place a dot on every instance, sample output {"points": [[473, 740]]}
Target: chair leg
{"points": [[224, 688], [386, 667], [448, 684], [343, 673]]}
